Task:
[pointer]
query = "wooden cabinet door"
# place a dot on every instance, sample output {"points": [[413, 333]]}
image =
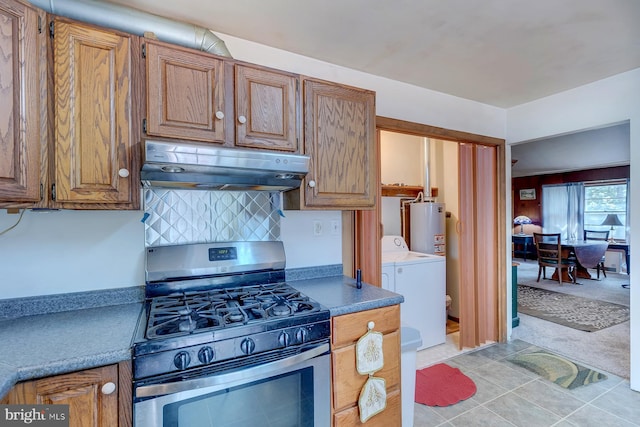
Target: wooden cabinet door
{"points": [[21, 62], [339, 132], [267, 106], [89, 404], [94, 143], [347, 383], [185, 94]]}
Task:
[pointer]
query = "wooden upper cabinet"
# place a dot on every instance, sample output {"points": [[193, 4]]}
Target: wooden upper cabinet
{"points": [[267, 108], [95, 160], [185, 94], [22, 61], [339, 132]]}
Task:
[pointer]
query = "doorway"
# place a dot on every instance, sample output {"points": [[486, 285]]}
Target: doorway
{"points": [[373, 218]]}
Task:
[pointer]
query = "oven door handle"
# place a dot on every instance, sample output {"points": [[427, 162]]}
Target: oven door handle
{"points": [[156, 390]]}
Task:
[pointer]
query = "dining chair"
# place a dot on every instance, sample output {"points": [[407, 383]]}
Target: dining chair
{"points": [[597, 235], [549, 251]]}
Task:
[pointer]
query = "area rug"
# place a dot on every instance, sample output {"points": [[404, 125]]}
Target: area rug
{"points": [[569, 310], [557, 369], [442, 385]]}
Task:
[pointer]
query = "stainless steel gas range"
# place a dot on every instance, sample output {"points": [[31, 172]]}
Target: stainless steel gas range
{"points": [[224, 340]]}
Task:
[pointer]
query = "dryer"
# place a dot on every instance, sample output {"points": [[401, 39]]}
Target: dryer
{"points": [[421, 279]]}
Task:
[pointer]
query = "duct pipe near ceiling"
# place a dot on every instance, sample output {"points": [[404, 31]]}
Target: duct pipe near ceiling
{"points": [[136, 22], [427, 168]]}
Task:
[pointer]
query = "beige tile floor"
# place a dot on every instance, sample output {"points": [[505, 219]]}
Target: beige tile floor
{"points": [[511, 396]]}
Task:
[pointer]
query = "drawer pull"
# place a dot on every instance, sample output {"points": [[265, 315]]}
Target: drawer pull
{"points": [[371, 325]]}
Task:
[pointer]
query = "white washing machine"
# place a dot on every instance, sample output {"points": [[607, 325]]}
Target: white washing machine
{"points": [[421, 279]]}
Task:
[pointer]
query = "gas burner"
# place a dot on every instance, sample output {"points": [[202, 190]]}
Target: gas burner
{"points": [[280, 309], [187, 324]]}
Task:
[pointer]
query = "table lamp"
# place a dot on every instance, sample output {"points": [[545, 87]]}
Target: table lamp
{"points": [[521, 220], [611, 219]]}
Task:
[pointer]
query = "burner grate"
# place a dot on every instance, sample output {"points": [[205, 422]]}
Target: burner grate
{"points": [[190, 312]]}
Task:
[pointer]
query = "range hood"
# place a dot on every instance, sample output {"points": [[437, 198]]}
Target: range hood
{"points": [[203, 166]]}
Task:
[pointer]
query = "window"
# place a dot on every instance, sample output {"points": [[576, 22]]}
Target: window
{"points": [[570, 208], [601, 199]]}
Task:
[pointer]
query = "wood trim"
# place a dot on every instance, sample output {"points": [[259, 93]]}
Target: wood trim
{"points": [[504, 268], [368, 231], [401, 191], [348, 244], [125, 394], [401, 126]]}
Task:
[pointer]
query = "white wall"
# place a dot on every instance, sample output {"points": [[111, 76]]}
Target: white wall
{"points": [[303, 247], [70, 251], [605, 102], [401, 159], [401, 162], [74, 251]]}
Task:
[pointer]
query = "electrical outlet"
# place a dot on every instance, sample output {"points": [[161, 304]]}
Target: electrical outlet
{"points": [[317, 228], [335, 227]]}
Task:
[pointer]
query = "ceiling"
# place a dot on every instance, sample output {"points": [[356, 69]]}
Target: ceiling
{"points": [[591, 149], [498, 52]]}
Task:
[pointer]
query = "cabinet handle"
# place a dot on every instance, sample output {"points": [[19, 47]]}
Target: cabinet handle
{"points": [[242, 119], [108, 388], [123, 173], [219, 115], [312, 183]]}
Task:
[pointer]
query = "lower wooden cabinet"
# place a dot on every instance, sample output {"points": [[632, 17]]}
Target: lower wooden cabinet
{"points": [[347, 382], [390, 417], [99, 397]]}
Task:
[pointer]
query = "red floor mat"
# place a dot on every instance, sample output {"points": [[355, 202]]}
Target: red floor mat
{"points": [[442, 385]]}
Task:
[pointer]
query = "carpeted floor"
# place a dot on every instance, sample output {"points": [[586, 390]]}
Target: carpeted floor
{"points": [[607, 349], [585, 314]]}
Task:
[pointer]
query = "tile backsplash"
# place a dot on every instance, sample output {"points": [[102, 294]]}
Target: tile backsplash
{"points": [[200, 216]]}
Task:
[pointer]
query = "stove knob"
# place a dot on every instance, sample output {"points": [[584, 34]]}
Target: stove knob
{"points": [[302, 335], [284, 339], [205, 355], [182, 360], [247, 346]]}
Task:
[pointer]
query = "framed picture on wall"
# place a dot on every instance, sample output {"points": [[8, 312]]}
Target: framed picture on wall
{"points": [[528, 194]]}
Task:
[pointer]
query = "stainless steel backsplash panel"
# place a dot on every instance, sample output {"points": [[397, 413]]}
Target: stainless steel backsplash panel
{"points": [[200, 216]]}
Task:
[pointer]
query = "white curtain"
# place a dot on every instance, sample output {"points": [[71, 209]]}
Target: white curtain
{"points": [[563, 210]]}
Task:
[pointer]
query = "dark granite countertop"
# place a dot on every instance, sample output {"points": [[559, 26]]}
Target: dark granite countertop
{"points": [[49, 344], [341, 296], [81, 337]]}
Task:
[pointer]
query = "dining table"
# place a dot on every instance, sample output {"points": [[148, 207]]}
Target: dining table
{"points": [[587, 253]]}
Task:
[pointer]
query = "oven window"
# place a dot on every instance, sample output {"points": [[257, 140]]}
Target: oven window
{"points": [[281, 401]]}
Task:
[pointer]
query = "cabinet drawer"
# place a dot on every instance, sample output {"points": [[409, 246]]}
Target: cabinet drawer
{"points": [[347, 329], [391, 416], [347, 382]]}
